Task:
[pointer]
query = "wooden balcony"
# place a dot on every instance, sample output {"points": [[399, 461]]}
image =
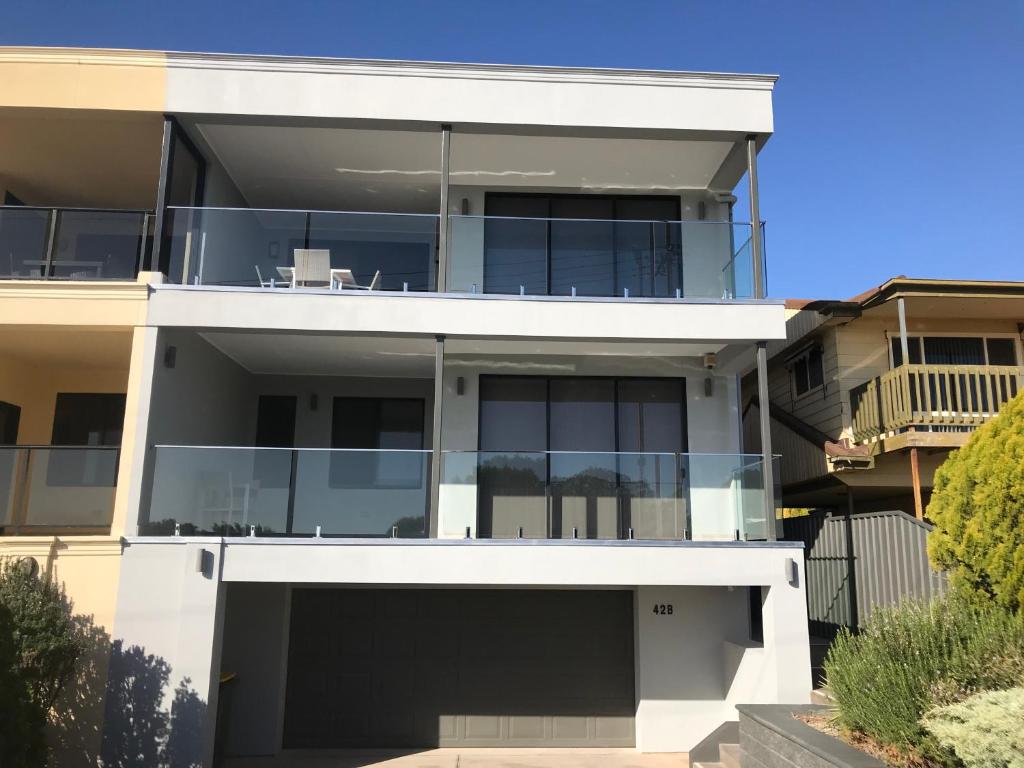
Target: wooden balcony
{"points": [[948, 400]]}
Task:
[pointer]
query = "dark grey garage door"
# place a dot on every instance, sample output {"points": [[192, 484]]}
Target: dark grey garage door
{"points": [[394, 667]]}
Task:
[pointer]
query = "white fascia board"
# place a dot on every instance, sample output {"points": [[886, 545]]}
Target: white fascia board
{"points": [[471, 94], [434, 563], [466, 316]]}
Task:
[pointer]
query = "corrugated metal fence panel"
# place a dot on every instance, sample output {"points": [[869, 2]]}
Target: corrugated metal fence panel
{"points": [[890, 564]]}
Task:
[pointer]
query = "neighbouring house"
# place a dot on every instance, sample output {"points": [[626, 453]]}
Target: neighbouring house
{"points": [[868, 396], [397, 402]]}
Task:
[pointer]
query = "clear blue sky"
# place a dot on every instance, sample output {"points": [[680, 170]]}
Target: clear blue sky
{"points": [[899, 143]]}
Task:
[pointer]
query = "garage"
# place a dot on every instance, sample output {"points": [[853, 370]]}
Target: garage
{"points": [[452, 667]]}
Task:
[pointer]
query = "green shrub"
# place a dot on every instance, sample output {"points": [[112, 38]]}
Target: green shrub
{"points": [[40, 643], [977, 507], [911, 658], [985, 731]]}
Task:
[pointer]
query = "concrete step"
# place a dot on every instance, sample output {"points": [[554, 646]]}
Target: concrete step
{"points": [[729, 755], [707, 765]]}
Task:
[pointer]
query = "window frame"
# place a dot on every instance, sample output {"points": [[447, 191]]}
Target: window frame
{"points": [[805, 356], [892, 337]]}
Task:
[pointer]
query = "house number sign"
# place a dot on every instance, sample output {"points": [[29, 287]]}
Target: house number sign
{"points": [[663, 609]]}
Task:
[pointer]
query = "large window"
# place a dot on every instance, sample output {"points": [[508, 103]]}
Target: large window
{"points": [[955, 350], [88, 419], [581, 456], [599, 245], [376, 431]]}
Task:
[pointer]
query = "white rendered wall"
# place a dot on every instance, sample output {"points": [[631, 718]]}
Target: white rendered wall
{"points": [[169, 615], [692, 667], [467, 93], [381, 312]]}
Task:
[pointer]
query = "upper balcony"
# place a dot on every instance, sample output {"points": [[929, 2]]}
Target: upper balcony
{"points": [[622, 258], [944, 401]]}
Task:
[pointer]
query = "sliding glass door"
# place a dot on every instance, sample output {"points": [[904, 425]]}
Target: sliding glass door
{"points": [[597, 245], [581, 457]]}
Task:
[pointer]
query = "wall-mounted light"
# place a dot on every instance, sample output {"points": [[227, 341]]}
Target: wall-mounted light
{"points": [[465, 206], [170, 356], [314, 402], [460, 386], [273, 249]]}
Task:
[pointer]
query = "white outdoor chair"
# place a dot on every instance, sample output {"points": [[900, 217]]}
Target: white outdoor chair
{"points": [[312, 267], [274, 282], [374, 284]]}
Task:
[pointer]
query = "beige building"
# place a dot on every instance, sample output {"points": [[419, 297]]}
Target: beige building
{"points": [[869, 395]]}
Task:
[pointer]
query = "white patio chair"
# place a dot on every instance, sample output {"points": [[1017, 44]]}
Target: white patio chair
{"points": [[312, 267], [374, 284], [274, 282]]}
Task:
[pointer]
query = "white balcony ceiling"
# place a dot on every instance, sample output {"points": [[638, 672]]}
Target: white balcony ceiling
{"points": [[310, 354], [353, 169]]}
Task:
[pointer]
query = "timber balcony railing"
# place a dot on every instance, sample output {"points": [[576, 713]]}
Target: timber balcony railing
{"points": [[73, 243], [47, 488], [486, 254], [229, 491], [931, 398]]}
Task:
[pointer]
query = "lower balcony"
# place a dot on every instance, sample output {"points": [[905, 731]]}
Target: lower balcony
{"points": [[242, 491], [48, 489], [944, 399]]}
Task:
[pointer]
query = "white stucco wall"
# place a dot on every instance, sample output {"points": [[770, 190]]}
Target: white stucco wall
{"points": [[692, 666]]}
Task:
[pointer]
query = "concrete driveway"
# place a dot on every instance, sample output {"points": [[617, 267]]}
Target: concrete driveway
{"points": [[465, 758]]}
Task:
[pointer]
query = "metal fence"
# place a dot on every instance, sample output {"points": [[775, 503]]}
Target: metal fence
{"points": [[889, 563]]}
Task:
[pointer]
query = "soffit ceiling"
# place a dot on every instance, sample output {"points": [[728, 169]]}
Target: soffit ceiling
{"points": [[80, 158], [67, 348], [353, 169], [412, 357], [951, 307]]}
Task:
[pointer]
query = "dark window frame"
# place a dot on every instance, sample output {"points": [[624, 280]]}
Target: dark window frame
{"points": [[614, 199], [807, 368], [335, 481]]}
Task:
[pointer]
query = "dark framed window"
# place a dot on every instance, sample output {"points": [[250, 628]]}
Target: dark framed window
{"points": [[955, 350], [599, 245], [82, 418], [580, 456], [808, 371], [376, 430], [10, 416], [88, 420]]}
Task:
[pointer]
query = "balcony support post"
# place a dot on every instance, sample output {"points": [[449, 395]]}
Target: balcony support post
{"points": [[435, 454], [915, 480], [442, 226], [756, 245], [766, 438], [901, 309], [160, 213]]}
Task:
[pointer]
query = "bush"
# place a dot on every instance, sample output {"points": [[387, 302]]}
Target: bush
{"points": [[977, 507], [912, 658], [985, 731], [40, 643]]}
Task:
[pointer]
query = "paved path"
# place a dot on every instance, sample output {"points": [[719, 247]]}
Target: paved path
{"points": [[465, 758]]}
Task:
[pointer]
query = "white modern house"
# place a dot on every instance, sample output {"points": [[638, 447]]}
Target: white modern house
{"points": [[437, 437]]}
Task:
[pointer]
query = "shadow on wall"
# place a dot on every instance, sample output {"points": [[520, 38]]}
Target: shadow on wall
{"points": [[140, 730]]}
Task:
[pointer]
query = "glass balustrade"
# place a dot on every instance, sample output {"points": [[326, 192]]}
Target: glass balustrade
{"points": [[227, 491], [56, 487], [72, 243], [591, 257], [560, 495], [302, 249]]}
